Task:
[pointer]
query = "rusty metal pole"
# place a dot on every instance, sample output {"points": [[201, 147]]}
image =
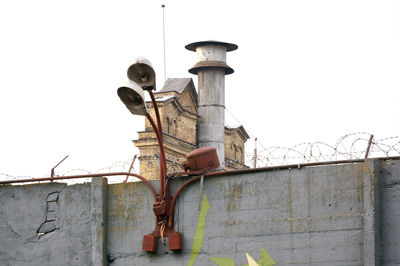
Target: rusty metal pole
{"points": [[82, 176], [163, 163], [369, 146], [161, 147], [130, 168], [52, 169]]}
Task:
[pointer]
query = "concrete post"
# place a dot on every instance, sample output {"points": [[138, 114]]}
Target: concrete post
{"points": [[211, 70], [98, 211], [371, 198]]}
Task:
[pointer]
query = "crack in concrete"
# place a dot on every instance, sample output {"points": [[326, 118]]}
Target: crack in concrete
{"points": [[115, 256], [13, 233], [112, 257], [392, 184], [4, 219], [49, 225]]}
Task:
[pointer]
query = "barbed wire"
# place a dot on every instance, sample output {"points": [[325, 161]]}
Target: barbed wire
{"points": [[119, 166], [350, 146], [4, 176]]}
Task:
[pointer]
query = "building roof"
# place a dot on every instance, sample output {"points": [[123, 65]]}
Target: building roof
{"points": [[165, 98], [175, 84], [240, 129], [178, 87]]}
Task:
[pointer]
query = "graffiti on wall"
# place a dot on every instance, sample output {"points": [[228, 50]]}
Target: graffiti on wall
{"points": [[265, 258], [199, 234]]}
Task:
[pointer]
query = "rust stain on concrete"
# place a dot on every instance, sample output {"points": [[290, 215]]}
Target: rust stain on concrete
{"points": [[235, 195], [290, 204]]}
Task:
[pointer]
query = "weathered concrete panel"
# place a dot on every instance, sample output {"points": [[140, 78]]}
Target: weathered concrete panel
{"points": [[61, 214], [300, 216], [129, 217], [390, 213], [98, 212]]}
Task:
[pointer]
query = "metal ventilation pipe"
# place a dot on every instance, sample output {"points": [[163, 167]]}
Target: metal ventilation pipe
{"points": [[211, 70]]}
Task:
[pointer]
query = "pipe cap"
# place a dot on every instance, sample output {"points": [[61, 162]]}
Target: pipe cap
{"points": [[194, 45], [205, 65]]}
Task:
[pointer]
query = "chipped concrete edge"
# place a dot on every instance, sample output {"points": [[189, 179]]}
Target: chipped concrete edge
{"points": [[371, 199], [98, 212]]}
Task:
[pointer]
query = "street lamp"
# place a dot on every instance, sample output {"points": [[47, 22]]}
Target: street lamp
{"points": [[141, 71], [143, 78], [132, 95]]}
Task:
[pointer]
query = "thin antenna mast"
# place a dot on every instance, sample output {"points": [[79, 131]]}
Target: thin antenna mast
{"points": [[255, 154], [165, 64]]}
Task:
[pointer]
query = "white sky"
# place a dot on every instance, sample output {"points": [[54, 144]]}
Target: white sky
{"points": [[304, 71]]}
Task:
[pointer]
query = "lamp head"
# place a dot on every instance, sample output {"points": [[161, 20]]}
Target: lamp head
{"points": [[142, 72], [132, 95]]}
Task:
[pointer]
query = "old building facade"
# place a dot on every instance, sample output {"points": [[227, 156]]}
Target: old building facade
{"points": [[177, 103]]}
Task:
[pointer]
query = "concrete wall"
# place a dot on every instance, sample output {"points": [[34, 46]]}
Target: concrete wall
{"points": [[390, 213], [329, 215], [59, 213]]}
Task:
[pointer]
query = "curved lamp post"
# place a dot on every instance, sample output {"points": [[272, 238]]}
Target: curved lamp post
{"points": [[143, 78]]}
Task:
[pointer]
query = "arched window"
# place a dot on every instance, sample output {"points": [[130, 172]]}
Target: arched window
{"points": [[241, 155], [149, 165], [175, 128], [168, 124]]}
